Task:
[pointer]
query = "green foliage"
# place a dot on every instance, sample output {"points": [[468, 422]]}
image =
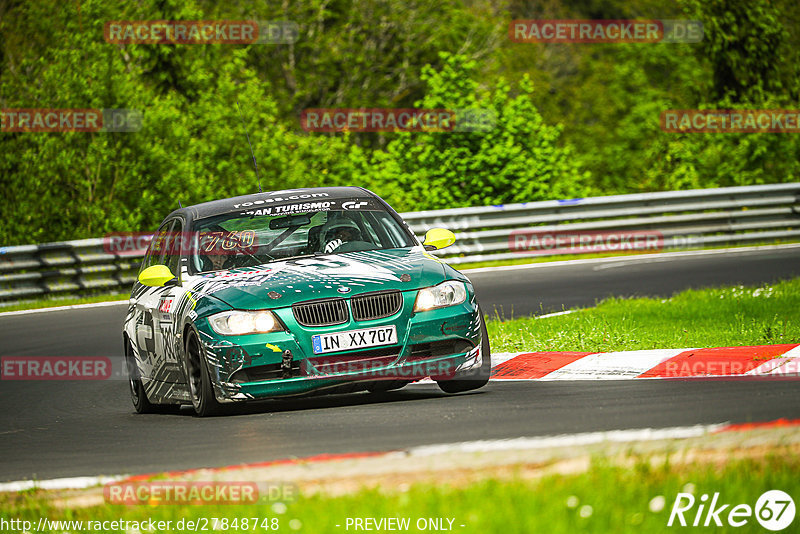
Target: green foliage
{"points": [[618, 131], [753, 66], [518, 159], [571, 120], [748, 48]]}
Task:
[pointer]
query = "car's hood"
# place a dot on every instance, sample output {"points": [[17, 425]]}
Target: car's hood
{"points": [[279, 284]]}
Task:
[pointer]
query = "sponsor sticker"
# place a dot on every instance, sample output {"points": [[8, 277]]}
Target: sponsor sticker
{"points": [[285, 198], [304, 207], [165, 305], [354, 205]]}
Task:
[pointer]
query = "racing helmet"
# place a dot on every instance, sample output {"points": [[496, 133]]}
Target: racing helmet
{"points": [[335, 235], [339, 225]]}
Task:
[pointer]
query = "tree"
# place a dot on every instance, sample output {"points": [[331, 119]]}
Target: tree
{"points": [[518, 159]]}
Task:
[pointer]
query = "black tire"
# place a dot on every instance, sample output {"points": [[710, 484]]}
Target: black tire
{"points": [[472, 378], [386, 385], [138, 395], [200, 389]]}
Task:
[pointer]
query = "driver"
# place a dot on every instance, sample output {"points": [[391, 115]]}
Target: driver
{"points": [[340, 232], [217, 260]]}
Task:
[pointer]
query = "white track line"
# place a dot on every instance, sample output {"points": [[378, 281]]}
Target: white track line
{"points": [[63, 308], [556, 314], [59, 483], [559, 441], [568, 440]]}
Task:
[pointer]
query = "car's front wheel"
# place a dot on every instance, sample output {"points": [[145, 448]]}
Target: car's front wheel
{"points": [[200, 387], [472, 378]]}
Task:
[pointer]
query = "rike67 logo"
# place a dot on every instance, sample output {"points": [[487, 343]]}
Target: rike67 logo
{"points": [[774, 510]]}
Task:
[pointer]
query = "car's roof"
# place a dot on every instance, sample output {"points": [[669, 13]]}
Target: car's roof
{"points": [[270, 198]]}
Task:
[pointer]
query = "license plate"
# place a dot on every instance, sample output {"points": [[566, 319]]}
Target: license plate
{"points": [[354, 339]]}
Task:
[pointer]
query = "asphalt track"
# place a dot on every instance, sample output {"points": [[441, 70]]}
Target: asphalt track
{"points": [[56, 429]]}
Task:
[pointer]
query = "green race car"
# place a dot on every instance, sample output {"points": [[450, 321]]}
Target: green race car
{"points": [[297, 292]]}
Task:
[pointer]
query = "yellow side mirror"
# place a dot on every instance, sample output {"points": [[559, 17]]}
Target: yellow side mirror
{"points": [[438, 238], [156, 276]]}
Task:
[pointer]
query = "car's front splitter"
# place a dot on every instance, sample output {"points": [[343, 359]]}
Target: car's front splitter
{"points": [[442, 368]]}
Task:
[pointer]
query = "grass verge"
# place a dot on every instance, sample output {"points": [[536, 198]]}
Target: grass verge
{"points": [[605, 498], [729, 316], [69, 301]]}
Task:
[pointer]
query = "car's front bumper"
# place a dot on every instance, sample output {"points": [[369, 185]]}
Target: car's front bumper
{"points": [[434, 343]]}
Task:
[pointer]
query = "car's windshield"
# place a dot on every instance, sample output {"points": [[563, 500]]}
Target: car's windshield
{"points": [[254, 237]]}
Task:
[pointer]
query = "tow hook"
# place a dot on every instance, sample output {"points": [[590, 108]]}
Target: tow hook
{"points": [[286, 364]]}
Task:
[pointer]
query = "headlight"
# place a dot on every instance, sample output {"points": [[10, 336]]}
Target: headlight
{"points": [[237, 323], [447, 293]]}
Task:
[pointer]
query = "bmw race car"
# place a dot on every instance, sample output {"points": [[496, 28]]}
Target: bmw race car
{"points": [[297, 292]]}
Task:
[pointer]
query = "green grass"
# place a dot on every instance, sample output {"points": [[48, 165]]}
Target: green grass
{"points": [[68, 301], [606, 498], [759, 315]]}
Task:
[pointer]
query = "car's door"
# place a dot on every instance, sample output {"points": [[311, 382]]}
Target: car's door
{"points": [[155, 308], [168, 347]]}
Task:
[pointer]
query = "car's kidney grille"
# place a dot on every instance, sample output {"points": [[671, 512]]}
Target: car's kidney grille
{"points": [[321, 312], [376, 305]]}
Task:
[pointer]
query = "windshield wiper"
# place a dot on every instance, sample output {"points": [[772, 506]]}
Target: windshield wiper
{"points": [[290, 258], [302, 256]]}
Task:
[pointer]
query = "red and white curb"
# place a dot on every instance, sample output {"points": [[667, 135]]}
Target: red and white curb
{"points": [[769, 361], [492, 445]]}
